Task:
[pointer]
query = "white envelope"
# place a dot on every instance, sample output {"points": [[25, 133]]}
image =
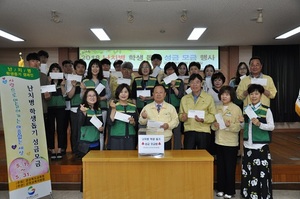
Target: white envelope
{"points": [[220, 120], [155, 71], [154, 124], [188, 91], [68, 105], [117, 74], [68, 86], [250, 113], [193, 113], [99, 88], [56, 75], [122, 117], [48, 88], [170, 78], [44, 68], [71, 77], [260, 81], [144, 93], [106, 74], [242, 77], [124, 81], [96, 122]]}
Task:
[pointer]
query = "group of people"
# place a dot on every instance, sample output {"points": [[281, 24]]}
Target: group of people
{"points": [[194, 112]]}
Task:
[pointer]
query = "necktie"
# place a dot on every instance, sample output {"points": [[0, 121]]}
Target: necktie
{"points": [[158, 107]]}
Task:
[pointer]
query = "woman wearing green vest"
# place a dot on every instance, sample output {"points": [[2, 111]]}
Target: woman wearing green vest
{"points": [[122, 133], [144, 82], [256, 176], [56, 113], [89, 135], [93, 79]]}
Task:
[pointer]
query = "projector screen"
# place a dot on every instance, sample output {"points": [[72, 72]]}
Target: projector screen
{"points": [[203, 55]]}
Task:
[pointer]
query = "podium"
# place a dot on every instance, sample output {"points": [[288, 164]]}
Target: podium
{"points": [[122, 174]]}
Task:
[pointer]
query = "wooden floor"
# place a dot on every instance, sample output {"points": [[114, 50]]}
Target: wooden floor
{"points": [[285, 151]]}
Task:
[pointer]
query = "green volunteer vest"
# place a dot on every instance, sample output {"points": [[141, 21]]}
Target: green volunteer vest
{"points": [[120, 128], [91, 84], [149, 86], [258, 135]]}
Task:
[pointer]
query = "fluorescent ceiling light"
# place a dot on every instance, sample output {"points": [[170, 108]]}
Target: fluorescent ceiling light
{"points": [[10, 36], [289, 33], [196, 33], [100, 33]]}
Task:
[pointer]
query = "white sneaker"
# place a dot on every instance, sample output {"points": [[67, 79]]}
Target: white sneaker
{"points": [[227, 196], [220, 194]]}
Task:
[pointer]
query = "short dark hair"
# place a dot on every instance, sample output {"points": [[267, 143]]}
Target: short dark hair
{"points": [[43, 53], [67, 62], [229, 90], [105, 61], [117, 62], [217, 75], [79, 61], [255, 57], [54, 65], [120, 88], [170, 65], [156, 56], [255, 87], [32, 56], [194, 76], [157, 85], [141, 65], [193, 63]]}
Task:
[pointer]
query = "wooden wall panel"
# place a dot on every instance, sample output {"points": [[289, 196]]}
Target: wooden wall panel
{"points": [[11, 55], [229, 59], [68, 53]]}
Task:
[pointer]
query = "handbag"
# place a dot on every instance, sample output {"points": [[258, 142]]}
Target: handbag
{"points": [[83, 147], [89, 133]]}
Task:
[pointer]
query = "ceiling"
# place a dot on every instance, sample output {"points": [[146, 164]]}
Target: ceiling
{"points": [[228, 22]]}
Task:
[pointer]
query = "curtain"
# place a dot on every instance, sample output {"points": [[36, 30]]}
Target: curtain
{"points": [[282, 63]]}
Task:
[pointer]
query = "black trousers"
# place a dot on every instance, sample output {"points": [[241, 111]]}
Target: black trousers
{"points": [[74, 132], [66, 125], [196, 140], [168, 145], [55, 115], [122, 143], [226, 165]]}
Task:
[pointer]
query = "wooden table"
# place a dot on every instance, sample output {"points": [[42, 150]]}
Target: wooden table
{"points": [[122, 174]]}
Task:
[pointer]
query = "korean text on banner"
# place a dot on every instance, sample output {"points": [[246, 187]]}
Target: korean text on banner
{"points": [[24, 132]]}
